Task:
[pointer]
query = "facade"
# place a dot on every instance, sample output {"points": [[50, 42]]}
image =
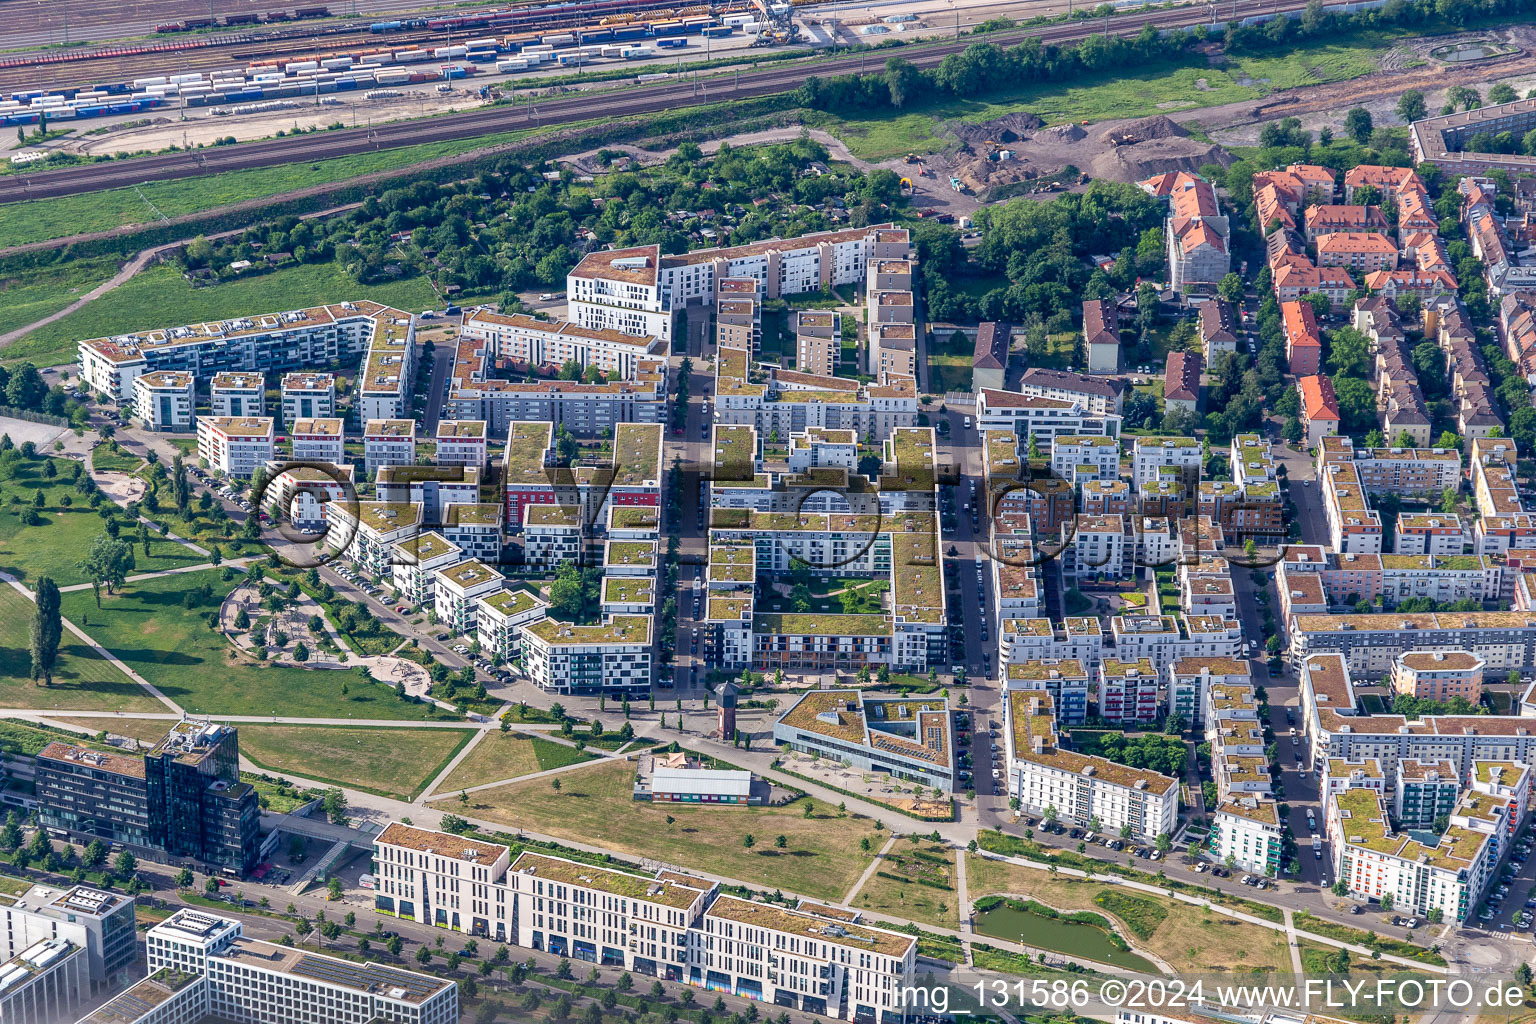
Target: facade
{"points": [[1438, 675], [414, 565], [100, 923], [1128, 691], [907, 739], [457, 590], [388, 442], [308, 396], [434, 488], [164, 400], [318, 440], [45, 983], [462, 443], [1063, 679], [547, 345], [1079, 788], [182, 800], [612, 657], [235, 447], [201, 966], [1423, 791], [499, 618], [368, 534], [299, 339], [238, 393], [1101, 335], [1198, 234]]}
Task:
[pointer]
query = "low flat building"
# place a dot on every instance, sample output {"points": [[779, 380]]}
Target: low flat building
{"points": [[909, 739]]}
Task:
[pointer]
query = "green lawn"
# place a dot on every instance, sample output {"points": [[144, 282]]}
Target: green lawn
{"points": [[173, 647], [501, 756], [160, 297], [915, 881], [390, 762], [105, 460], [29, 296], [61, 539], [821, 857], [145, 730], [42, 219], [1159, 88], [82, 680]]}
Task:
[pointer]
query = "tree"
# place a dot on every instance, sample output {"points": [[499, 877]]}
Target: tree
{"points": [[125, 864], [1357, 122], [1164, 843], [423, 955], [47, 629], [333, 889], [902, 80], [108, 562], [748, 841], [334, 804], [1411, 107], [184, 878], [1502, 93], [1386, 901]]}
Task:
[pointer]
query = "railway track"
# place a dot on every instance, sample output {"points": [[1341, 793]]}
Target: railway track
{"points": [[663, 96]]}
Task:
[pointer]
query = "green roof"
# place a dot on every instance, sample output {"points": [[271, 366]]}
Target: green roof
{"points": [[821, 624]]}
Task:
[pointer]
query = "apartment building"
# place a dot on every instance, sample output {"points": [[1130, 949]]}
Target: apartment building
{"points": [[388, 442], [368, 533], [1097, 547], [1157, 459], [1361, 252], [238, 393], [163, 399], [415, 561], [989, 361], [739, 315], [1218, 329], [1190, 683], [300, 494], [183, 800], [1370, 643], [499, 620], [1075, 638], [1319, 408], [1079, 458], [457, 590], [1065, 680], [1101, 335], [1127, 691], [612, 657], [1065, 785], [234, 447], [1422, 791], [434, 488], [271, 343], [585, 409], [1199, 254], [1353, 526], [1163, 639], [815, 959], [318, 440], [774, 400], [1298, 278], [1422, 534], [1096, 395], [308, 395], [908, 739], [545, 346], [1438, 675], [474, 529]]}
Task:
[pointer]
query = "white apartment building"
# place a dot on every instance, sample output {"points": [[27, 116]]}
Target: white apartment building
{"points": [[824, 963], [1127, 691], [388, 442], [1246, 833], [234, 447], [1077, 638], [1075, 787], [586, 410], [1425, 534], [100, 923], [462, 443], [317, 440], [299, 339], [620, 290], [434, 488], [1083, 458], [308, 396], [238, 393], [163, 400], [1163, 639], [457, 589], [612, 657], [475, 529], [500, 617], [415, 563], [1098, 547], [1064, 679], [1371, 643], [367, 534], [1152, 458], [300, 494], [1042, 418], [546, 345], [1190, 682], [551, 534], [242, 979]]}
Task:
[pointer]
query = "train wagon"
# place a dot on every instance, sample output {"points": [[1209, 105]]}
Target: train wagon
{"points": [[387, 26], [595, 35], [672, 43], [559, 39], [312, 12], [242, 19]]}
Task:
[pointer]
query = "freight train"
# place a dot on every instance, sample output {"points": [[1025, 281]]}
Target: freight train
{"points": [[234, 20]]}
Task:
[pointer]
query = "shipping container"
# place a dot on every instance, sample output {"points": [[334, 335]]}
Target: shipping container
{"points": [[630, 32], [559, 39], [716, 31], [142, 83], [666, 28], [336, 63], [507, 67], [671, 44], [294, 67]]}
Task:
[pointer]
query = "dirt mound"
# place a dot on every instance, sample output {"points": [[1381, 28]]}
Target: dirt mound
{"points": [[1147, 129], [1156, 156], [1005, 129], [1066, 133]]}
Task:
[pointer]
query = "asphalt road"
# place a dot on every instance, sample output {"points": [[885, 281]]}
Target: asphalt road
{"points": [[628, 101]]}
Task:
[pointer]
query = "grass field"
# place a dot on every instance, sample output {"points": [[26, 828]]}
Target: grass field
{"points": [[1123, 92], [82, 680], [822, 857], [105, 460], [1189, 938], [28, 297], [147, 730], [160, 297], [922, 888], [501, 756], [173, 647], [43, 219], [63, 536], [390, 762]]}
